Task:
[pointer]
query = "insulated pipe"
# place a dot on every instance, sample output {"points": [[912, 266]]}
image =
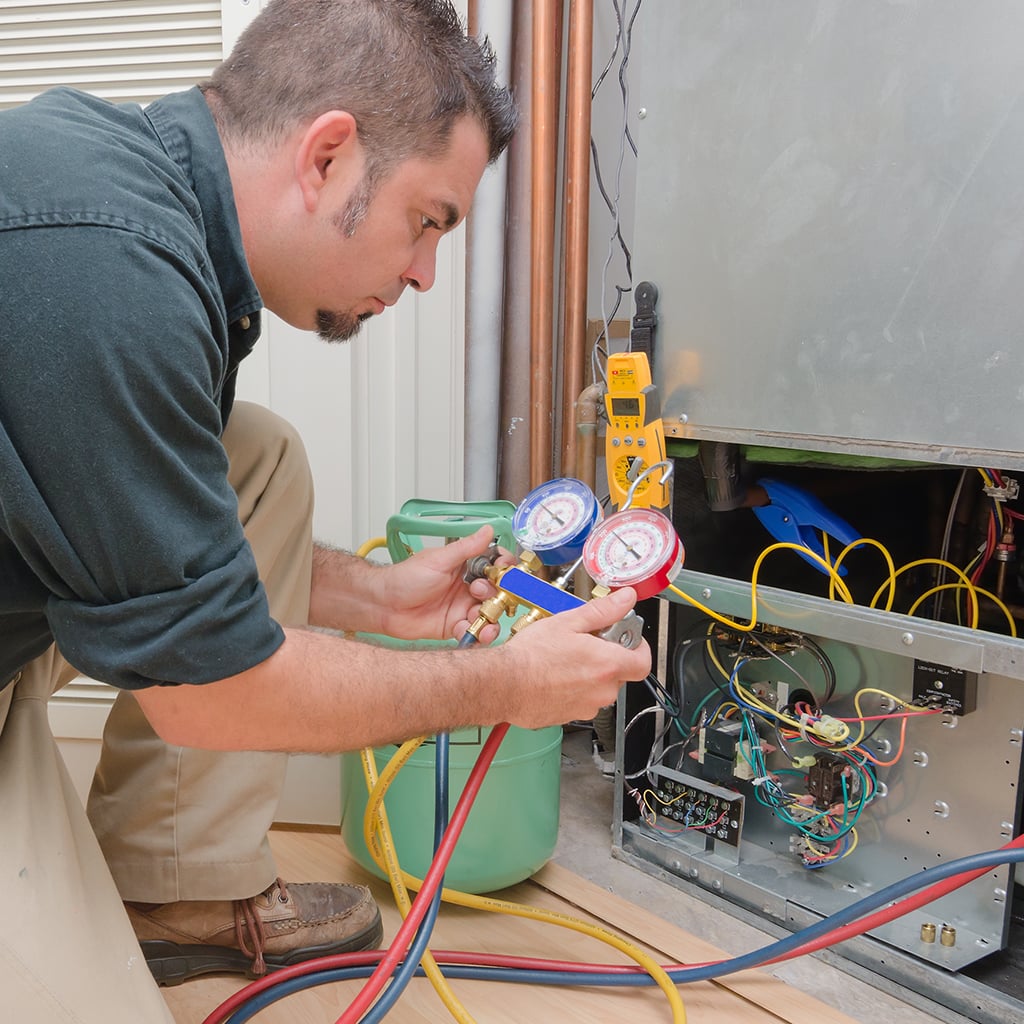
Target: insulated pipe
{"points": [[587, 405], [546, 23], [576, 193], [485, 272]]}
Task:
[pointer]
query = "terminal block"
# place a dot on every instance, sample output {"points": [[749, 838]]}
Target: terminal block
{"points": [[691, 805]]}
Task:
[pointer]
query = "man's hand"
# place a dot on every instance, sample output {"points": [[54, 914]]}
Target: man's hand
{"points": [[425, 597], [564, 671]]}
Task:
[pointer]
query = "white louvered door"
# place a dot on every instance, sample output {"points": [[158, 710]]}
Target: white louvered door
{"points": [[118, 49]]}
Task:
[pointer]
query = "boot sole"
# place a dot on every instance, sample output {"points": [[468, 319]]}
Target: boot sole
{"points": [[171, 964]]}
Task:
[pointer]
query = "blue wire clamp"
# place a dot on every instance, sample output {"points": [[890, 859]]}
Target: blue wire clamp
{"points": [[794, 515]]}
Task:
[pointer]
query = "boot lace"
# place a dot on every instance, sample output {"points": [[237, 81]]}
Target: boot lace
{"points": [[249, 927]]}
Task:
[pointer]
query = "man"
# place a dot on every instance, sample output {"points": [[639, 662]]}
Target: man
{"points": [[155, 535]]}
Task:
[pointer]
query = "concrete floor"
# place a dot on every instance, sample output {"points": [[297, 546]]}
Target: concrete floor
{"points": [[584, 846]]}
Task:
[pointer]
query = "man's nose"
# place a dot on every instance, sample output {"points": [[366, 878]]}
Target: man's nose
{"points": [[422, 271]]}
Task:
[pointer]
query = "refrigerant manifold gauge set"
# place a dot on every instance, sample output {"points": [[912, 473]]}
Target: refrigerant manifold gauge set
{"points": [[561, 522]]}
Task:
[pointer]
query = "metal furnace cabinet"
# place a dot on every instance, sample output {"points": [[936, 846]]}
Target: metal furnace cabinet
{"points": [[830, 201]]}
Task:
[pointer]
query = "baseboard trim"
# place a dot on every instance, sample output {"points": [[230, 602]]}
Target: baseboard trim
{"points": [[301, 826]]}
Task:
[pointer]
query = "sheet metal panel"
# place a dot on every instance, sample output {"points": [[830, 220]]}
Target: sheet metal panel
{"points": [[830, 199]]}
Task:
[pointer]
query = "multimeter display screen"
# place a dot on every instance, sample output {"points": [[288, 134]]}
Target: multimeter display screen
{"points": [[625, 406]]}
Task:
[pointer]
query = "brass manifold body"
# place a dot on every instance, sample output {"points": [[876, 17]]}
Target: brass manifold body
{"points": [[523, 585]]}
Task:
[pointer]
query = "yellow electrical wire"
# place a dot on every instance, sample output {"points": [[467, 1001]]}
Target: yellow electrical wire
{"points": [[891, 581], [840, 584], [991, 482], [834, 735], [965, 582], [713, 655], [975, 590], [837, 584], [898, 703]]}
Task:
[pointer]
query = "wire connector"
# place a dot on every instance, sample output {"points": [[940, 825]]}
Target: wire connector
{"points": [[832, 729], [1007, 492]]}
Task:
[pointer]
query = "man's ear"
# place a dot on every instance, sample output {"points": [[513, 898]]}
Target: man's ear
{"points": [[329, 147]]}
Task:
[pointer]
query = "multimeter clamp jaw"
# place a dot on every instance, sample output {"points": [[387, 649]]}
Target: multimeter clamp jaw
{"points": [[793, 515], [645, 319]]}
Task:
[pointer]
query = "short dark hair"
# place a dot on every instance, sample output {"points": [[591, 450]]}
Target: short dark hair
{"points": [[405, 69]]}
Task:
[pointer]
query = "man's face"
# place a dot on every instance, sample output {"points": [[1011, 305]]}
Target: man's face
{"points": [[368, 246]]}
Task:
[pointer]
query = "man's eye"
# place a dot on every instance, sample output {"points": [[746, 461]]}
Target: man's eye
{"points": [[428, 222]]}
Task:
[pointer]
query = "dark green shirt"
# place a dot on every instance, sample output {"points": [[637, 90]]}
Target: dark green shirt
{"points": [[125, 306]]}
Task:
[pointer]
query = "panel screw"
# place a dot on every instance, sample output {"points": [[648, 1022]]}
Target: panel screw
{"points": [[907, 639], [683, 418], [642, 113]]}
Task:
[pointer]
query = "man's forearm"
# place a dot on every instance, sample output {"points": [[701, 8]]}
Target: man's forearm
{"points": [[319, 693], [343, 595]]}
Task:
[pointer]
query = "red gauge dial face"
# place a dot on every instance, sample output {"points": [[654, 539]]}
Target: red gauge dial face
{"points": [[636, 548]]}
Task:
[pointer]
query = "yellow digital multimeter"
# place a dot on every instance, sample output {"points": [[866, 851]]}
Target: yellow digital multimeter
{"points": [[635, 439]]}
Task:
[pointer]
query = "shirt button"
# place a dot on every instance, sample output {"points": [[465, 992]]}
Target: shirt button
{"points": [[244, 323]]}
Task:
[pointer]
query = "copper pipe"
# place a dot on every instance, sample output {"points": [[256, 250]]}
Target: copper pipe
{"points": [[514, 414], [546, 24], [575, 238]]}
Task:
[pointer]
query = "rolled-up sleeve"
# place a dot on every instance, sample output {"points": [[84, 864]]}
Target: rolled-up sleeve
{"points": [[118, 499]]}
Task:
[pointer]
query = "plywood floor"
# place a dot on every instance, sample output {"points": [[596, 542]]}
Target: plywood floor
{"points": [[749, 998]]}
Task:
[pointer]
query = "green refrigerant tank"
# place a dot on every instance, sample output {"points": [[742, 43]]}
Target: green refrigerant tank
{"points": [[512, 828]]}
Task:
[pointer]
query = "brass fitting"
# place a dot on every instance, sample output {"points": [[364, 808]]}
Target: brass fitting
{"points": [[502, 603]]}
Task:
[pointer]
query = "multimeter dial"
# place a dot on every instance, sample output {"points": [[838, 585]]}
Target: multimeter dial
{"points": [[625, 470], [636, 548], [554, 520]]}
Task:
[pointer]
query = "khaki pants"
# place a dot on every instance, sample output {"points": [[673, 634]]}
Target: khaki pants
{"points": [[167, 823]]}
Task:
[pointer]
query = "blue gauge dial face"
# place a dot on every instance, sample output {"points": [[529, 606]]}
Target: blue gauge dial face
{"points": [[555, 516]]}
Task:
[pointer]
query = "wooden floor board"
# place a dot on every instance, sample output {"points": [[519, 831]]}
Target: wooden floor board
{"points": [[750, 998]]}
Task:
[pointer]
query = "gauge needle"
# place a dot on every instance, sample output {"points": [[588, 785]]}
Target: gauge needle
{"points": [[554, 515], [625, 544]]}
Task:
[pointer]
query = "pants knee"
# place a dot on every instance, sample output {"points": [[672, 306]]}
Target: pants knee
{"points": [[268, 462]]}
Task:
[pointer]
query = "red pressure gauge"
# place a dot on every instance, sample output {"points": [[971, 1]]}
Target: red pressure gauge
{"points": [[637, 548]]}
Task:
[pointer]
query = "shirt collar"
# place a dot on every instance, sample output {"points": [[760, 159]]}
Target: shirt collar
{"points": [[186, 129]]}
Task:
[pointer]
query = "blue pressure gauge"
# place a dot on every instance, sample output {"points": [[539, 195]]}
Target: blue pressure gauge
{"points": [[554, 520]]}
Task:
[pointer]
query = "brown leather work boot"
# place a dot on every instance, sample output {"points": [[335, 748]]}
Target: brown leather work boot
{"points": [[284, 925]]}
